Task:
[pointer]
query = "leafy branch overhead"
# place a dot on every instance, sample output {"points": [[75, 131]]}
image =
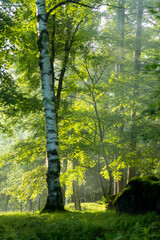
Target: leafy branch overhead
{"points": [[80, 4]]}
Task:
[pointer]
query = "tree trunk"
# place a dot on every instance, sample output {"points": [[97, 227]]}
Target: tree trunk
{"points": [[39, 203], [64, 169], [53, 50], [76, 197], [118, 185], [54, 196], [121, 183], [104, 192], [131, 173], [68, 45], [101, 142], [7, 201], [31, 205], [120, 26], [21, 206], [115, 187], [137, 68]]}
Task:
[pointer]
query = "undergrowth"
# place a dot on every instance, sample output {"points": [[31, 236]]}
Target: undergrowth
{"points": [[79, 226]]}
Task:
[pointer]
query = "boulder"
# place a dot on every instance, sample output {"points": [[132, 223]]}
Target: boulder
{"points": [[109, 202], [142, 194]]}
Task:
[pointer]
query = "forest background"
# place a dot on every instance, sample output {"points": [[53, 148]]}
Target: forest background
{"points": [[105, 69]]}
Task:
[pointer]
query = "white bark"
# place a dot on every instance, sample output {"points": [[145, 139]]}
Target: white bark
{"points": [[54, 198]]}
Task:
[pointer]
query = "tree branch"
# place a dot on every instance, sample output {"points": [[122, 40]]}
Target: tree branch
{"points": [[68, 45], [80, 165], [65, 2], [76, 29], [101, 73], [89, 72], [81, 4]]}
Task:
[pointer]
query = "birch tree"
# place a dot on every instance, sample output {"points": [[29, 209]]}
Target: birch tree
{"points": [[54, 196]]}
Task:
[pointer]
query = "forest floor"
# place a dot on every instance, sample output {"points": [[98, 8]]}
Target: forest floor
{"points": [[93, 223]]}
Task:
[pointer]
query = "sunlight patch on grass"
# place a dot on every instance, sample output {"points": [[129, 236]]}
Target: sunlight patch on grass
{"points": [[87, 207]]}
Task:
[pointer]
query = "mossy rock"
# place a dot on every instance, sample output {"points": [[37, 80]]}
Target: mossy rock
{"points": [[109, 202], [142, 194]]}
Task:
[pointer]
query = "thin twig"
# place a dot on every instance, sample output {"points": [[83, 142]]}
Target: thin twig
{"points": [[101, 73]]}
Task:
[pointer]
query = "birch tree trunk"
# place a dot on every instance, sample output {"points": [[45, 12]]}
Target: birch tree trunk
{"points": [[54, 196]]}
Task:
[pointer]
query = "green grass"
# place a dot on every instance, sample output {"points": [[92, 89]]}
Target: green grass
{"points": [[99, 225], [87, 207]]}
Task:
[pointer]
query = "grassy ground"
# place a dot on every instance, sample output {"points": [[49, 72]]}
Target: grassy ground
{"points": [[87, 225], [87, 207]]}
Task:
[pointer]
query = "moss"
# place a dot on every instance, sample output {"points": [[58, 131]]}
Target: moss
{"points": [[141, 194], [151, 177], [109, 202]]}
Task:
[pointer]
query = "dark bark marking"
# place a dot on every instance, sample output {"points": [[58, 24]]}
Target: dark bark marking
{"points": [[39, 41], [53, 152]]}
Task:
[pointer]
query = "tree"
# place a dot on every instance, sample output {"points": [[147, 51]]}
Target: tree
{"points": [[137, 69], [54, 197]]}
